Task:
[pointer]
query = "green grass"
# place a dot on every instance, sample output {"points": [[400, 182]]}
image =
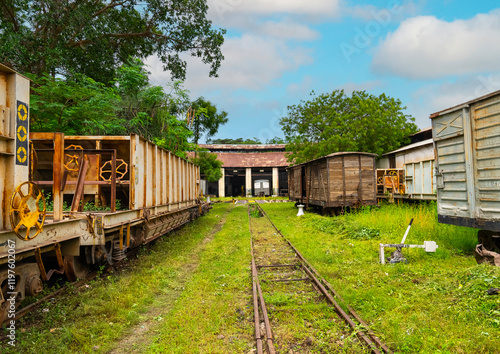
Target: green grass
{"points": [[435, 303], [96, 316], [191, 291], [214, 314]]}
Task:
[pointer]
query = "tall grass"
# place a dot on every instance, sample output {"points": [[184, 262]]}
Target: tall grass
{"points": [[389, 222], [436, 303]]}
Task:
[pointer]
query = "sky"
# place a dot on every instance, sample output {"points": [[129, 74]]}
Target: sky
{"points": [[431, 55]]}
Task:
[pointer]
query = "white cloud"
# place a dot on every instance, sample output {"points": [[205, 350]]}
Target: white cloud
{"points": [[251, 63], [437, 97], [271, 18], [287, 30], [222, 9], [394, 11], [425, 47]]}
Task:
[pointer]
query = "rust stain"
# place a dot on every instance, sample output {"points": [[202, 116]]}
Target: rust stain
{"points": [[252, 159]]}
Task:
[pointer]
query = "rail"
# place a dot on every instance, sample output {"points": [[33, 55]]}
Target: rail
{"points": [[294, 260]]}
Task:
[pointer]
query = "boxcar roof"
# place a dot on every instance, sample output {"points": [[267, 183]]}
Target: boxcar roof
{"points": [[464, 105], [337, 154]]}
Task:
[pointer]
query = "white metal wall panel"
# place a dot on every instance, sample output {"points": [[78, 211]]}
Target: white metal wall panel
{"points": [[420, 178], [453, 176], [486, 137]]}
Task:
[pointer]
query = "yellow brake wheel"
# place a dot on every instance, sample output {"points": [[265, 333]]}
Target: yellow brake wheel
{"points": [[27, 211]]}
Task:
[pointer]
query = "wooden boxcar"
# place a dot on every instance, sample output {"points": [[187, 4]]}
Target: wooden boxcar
{"points": [[467, 148], [342, 179]]}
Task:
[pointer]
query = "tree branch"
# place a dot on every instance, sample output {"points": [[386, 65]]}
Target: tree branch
{"points": [[111, 5], [11, 14]]}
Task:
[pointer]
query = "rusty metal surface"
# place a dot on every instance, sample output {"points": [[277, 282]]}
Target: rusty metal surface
{"points": [[52, 232], [77, 197], [14, 94], [253, 159], [159, 191], [222, 147]]}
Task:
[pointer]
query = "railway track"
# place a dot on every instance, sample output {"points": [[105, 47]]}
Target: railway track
{"points": [[293, 304]]}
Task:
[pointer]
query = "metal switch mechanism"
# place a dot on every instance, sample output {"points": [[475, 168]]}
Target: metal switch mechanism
{"points": [[397, 256]]}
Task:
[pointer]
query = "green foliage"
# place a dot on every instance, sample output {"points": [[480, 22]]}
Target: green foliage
{"points": [[150, 111], [91, 206], [49, 203], [235, 141], [209, 165], [394, 298], [206, 120], [335, 122], [275, 140], [344, 227], [94, 37], [75, 106]]}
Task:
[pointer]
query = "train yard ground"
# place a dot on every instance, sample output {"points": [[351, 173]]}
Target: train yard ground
{"points": [[191, 292]]}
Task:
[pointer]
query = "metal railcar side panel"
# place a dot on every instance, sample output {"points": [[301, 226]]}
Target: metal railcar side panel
{"points": [[420, 179], [454, 172], [486, 144], [14, 158]]}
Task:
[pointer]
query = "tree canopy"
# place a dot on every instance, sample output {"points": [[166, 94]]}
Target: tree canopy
{"points": [[206, 119], [334, 122], [80, 106], [94, 37], [150, 111], [234, 141], [209, 165]]}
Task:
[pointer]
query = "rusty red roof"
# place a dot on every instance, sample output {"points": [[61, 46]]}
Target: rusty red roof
{"points": [[251, 159], [219, 147]]}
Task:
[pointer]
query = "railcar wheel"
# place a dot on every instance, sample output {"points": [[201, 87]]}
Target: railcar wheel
{"points": [[27, 211], [489, 239], [75, 268]]}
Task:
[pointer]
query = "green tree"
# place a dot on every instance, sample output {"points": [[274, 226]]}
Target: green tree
{"points": [[234, 141], [206, 119], [94, 37], [334, 122], [150, 111], [76, 106], [209, 165], [275, 140]]}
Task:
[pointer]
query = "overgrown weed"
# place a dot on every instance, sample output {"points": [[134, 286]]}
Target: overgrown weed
{"points": [[435, 303]]}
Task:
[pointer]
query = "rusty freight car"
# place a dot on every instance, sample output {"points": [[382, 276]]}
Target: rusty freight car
{"points": [[108, 194], [467, 149], [335, 181]]}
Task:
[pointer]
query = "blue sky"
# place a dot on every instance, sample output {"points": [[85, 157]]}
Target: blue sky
{"points": [[429, 54]]}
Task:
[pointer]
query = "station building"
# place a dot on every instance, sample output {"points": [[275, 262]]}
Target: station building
{"points": [[250, 170]]}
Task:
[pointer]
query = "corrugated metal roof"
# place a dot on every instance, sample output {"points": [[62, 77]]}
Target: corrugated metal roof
{"points": [[411, 146], [251, 159]]}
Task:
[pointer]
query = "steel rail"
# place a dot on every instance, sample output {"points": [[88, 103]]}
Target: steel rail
{"points": [[327, 290], [257, 294], [256, 318]]}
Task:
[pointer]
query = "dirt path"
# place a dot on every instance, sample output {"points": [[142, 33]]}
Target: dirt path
{"points": [[138, 338]]}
